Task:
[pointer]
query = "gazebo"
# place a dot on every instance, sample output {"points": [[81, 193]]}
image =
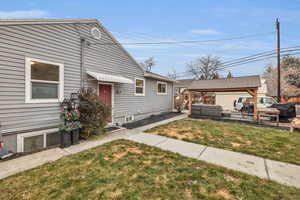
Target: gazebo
{"points": [[248, 84]]}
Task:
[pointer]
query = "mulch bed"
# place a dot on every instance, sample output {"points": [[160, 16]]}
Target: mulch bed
{"points": [[151, 119]]}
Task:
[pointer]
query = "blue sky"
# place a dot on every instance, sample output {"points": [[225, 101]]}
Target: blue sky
{"points": [[151, 20]]}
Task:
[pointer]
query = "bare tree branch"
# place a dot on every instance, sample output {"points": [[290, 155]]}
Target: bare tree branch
{"points": [[149, 63], [207, 67]]}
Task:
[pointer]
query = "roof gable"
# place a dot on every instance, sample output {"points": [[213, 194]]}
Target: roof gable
{"points": [[7, 22]]}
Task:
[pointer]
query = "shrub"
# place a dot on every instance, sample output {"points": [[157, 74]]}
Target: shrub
{"points": [[94, 113]]}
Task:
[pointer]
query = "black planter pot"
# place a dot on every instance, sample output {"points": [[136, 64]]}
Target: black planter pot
{"points": [[65, 140], [75, 136]]}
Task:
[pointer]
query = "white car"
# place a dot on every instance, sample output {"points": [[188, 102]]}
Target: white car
{"points": [[262, 102]]}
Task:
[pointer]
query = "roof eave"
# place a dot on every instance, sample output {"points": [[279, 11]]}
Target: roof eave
{"points": [[160, 77], [45, 21]]}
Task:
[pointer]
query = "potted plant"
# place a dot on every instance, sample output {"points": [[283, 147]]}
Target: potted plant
{"points": [[76, 126], [71, 129], [65, 132]]}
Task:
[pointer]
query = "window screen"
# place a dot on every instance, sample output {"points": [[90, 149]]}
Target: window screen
{"points": [[33, 143]]}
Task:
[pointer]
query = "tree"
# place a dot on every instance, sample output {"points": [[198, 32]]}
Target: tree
{"points": [[206, 67], [229, 75], [290, 73], [292, 67], [172, 75], [149, 63]]}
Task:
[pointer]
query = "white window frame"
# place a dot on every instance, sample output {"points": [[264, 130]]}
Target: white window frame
{"points": [[28, 81], [144, 87], [20, 137], [165, 83]]}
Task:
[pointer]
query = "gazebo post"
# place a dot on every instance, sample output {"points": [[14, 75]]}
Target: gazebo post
{"points": [[253, 93], [255, 105], [190, 101]]}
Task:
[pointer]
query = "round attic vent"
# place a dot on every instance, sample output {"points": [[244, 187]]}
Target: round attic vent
{"points": [[96, 33]]}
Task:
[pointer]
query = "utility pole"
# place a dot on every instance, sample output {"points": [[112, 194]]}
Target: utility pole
{"points": [[278, 60]]}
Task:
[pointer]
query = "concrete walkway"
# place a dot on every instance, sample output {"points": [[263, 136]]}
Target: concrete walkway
{"points": [[278, 171], [281, 172]]}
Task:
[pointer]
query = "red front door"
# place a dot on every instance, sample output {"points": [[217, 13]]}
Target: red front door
{"points": [[105, 94]]}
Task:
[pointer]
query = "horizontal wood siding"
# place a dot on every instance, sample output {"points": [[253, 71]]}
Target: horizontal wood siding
{"points": [[56, 43]]}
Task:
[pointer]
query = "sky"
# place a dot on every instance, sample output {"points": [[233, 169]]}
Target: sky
{"points": [[156, 21]]}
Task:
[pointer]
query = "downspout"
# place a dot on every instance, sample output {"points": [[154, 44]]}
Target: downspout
{"points": [[82, 83]]}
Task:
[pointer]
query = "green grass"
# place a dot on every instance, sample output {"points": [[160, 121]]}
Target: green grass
{"points": [[127, 170], [264, 142]]}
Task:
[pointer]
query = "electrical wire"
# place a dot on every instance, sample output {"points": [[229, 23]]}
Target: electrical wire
{"points": [[184, 41], [238, 64]]}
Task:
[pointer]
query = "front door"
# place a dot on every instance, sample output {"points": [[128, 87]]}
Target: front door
{"points": [[105, 94]]}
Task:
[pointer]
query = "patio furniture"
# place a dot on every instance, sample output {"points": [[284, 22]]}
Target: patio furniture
{"points": [[206, 110], [296, 122], [297, 107], [267, 112]]}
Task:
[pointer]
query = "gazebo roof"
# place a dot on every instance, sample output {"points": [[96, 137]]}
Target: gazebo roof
{"points": [[226, 84]]}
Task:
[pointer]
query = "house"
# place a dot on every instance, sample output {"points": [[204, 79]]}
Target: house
{"points": [[226, 99], [44, 61]]}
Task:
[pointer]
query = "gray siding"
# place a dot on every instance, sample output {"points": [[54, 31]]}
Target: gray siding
{"points": [[60, 43]]}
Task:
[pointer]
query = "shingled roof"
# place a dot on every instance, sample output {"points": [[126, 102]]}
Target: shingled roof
{"points": [[184, 83], [157, 76], [226, 83]]}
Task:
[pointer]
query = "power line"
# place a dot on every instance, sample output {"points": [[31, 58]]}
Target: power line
{"points": [[184, 74], [257, 57], [286, 49], [184, 41]]}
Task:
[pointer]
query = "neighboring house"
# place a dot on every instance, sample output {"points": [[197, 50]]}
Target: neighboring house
{"points": [[226, 99], [43, 61]]}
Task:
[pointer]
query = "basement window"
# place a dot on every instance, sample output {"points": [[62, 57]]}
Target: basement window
{"points": [[44, 81], [129, 118], [35, 141]]}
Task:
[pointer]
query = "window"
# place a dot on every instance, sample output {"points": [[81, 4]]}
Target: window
{"points": [[129, 118], [161, 88], [139, 87], [44, 81], [34, 141]]}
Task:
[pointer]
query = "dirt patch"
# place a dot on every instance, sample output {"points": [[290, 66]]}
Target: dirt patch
{"points": [[179, 133], [135, 150], [174, 133], [120, 154], [189, 194], [147, 162], [225, 194], [232, 179], [234, 144], [248, 142]]}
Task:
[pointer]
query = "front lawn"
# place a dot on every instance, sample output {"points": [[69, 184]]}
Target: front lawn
{"points": [[264, 142], [127, 170]]}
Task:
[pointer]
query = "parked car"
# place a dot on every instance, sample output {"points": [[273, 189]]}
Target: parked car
{"points": [[262, 102]]}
